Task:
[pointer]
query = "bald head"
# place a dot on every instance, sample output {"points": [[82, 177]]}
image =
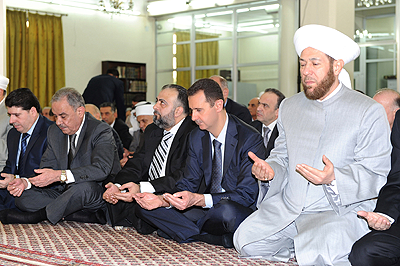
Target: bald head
{"points": [[390, 99], [93, 110], [223, 83]]}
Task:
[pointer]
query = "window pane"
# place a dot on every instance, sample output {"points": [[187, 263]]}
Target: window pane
{"points": [[256, 20], [376, 73], [256, 79], [163, 78], [381, 52], [214, 25], [254, 49], [214, 53], [164, 57]]}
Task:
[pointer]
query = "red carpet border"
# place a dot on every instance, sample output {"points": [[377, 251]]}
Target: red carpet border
{"points": [[72, 243]]}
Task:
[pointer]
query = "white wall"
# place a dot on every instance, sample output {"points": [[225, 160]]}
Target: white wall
{"points": [[91, 37]]}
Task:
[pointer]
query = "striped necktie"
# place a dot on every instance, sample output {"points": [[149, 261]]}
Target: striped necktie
{"points": [[216, 174], [72, 149], [25, 136], [159, 157], [266, 138]]}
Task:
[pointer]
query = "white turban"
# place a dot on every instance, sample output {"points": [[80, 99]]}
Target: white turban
{"points": [[3, 82], [144, 109], [329, 41]]}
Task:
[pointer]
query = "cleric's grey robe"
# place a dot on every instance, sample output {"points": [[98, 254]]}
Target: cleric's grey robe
{"points": [[352, 130]]}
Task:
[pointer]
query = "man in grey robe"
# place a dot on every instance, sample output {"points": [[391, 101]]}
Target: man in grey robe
{"points": [[329, 161]]}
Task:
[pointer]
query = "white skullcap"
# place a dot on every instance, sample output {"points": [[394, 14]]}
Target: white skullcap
{"points": [[327, 40], [4, 82], [144, 109]]}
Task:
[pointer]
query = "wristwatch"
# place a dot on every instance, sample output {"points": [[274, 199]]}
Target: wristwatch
{"points": [[63, 176]]}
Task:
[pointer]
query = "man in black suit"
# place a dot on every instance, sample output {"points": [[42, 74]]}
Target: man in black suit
{"points": [[80, 155], [381, 247], [267, 114], [106, 88], [218, 190], [26, 143], [232, 107], [170, 115], [109, 115]]}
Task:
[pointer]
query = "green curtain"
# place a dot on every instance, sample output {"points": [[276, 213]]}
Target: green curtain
{"points": [[35, 55], [206, 54]]}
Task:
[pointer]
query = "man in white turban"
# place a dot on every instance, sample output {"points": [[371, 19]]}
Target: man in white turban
{"points": [[4, 122], [329, 161]]}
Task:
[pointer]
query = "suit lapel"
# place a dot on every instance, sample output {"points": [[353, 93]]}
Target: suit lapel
{"points": [[82, 135], [271, 141], [230, 144], [34, 137], [207, 157]]}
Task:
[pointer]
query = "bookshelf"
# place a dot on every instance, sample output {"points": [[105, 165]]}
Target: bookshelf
{"points": [[133, 75]]}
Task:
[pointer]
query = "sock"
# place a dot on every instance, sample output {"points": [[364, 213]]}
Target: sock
{"points": [[16, 217]]}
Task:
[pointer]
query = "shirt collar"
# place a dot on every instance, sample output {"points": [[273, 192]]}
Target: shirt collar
{"points": [[271, 125], [175, 128], [222, 134], [30, 131], [333, 93]]}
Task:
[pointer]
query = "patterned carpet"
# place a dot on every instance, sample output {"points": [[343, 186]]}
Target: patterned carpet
{"points": [[71, 243]]}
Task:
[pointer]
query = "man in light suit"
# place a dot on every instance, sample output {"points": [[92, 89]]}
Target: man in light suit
{"points": [[330, 159], [80, 155], [24, 110], [4, 122], [170, 115], [232, 107], [267, 114], [380, 247], [218, 191]]}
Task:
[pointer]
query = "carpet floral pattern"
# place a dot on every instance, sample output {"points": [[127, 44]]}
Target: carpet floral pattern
{"points": [[72, 243]]}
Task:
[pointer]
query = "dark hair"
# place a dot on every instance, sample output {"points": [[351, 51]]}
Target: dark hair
{"points": [[182, 99], [138, 98], [211, 89], [24, 98], [113, 71], [74, 98], [278, 93], [108, 104]]}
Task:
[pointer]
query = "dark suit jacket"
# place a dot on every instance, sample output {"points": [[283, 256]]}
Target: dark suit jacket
{"points": [[106, 88], [389, 196], [137, 168], [237, 181], [96, 157], [271, 142], [34, 151], [123, 132], [238, 110]]}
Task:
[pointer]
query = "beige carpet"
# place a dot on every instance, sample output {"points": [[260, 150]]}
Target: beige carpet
{"points": [[71, 243]]}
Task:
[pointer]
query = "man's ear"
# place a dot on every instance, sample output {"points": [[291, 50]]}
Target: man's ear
{"points": [[219, 105], [81, 111], [178, 111], [338, 66]]}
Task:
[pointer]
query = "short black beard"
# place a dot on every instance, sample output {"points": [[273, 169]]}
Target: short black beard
{"points": [[167, 121], [321, 89]]}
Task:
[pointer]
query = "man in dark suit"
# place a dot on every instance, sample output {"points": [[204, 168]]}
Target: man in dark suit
{"points": [[267, 114], [170, 115], [232, 107], [218, 191], [80, 155], [26, 142], [381, 245], [109, 115], [106, 88]]}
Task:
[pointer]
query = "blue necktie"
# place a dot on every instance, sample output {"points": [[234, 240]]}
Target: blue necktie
{"points": [[216, 175], [25, 136]]}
